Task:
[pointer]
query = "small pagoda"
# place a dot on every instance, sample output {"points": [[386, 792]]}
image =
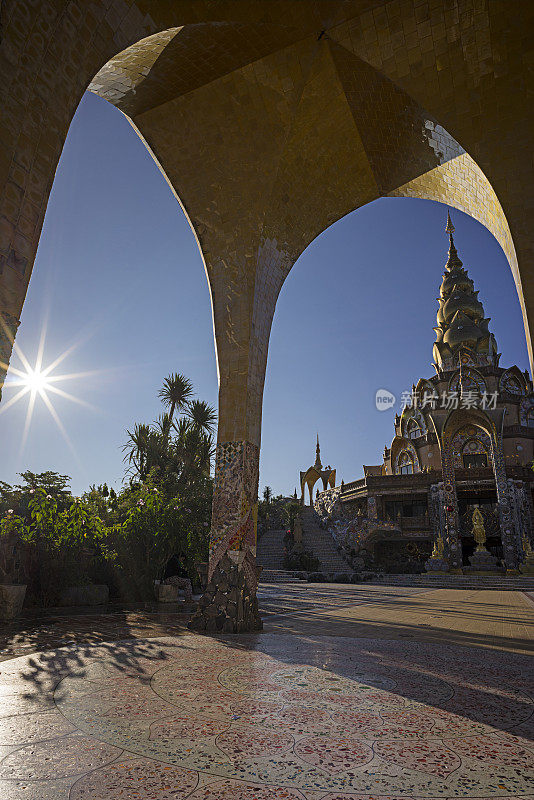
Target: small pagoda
{"points": [[316, 473]]}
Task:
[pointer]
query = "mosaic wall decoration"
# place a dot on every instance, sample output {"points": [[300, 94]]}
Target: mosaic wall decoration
{"points": [[511, 383], [477, 430], [504, 504], [470, 440], [526, 411], [472, 381], [470, 359], [372, 511], [235, 500]]}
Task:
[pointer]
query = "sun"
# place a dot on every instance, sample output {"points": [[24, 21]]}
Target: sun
{"points": [[36, 381]]}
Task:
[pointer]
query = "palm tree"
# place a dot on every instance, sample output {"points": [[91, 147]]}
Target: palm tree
{"points": [[175, 393], [136, 447], [202, 415]]}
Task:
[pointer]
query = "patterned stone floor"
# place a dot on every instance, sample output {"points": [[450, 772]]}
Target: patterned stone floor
{"points": [[297, 715]]}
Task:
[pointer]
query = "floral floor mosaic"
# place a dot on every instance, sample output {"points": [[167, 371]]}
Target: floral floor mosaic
{"points": [[267, 717]]}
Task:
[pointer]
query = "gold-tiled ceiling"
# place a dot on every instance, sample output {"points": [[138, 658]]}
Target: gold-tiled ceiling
{"points": [[271, 119]]}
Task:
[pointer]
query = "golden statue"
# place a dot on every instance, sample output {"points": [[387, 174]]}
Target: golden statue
{"points": [[527, 547], [439, 547], [479, 532]]}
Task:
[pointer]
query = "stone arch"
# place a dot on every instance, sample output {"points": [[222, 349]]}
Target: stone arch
{"points": [[262, 91]]}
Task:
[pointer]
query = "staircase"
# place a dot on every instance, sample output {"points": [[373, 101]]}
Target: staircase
{"points": [[321, 544], [510, 583], [270, 550]]}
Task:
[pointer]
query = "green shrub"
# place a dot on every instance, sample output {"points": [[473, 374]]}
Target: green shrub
{"points": [[302, 560]]}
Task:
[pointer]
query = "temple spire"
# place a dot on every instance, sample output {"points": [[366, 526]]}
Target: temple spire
{"points": [[461, 324], [318, 464], [453, 259]]}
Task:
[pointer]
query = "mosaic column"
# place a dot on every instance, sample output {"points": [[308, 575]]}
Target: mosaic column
{"points": [[450, 507], [504, 505], [372, 510], [243, 318]]}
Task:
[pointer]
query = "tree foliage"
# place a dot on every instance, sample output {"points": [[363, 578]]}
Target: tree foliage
{"points": [[50, 540]]}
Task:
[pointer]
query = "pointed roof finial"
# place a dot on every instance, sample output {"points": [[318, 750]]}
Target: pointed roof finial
{"points": [[450, 226]]}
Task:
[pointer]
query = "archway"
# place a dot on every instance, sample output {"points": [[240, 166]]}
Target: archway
{"points": [[474, 434], [272, 86]]}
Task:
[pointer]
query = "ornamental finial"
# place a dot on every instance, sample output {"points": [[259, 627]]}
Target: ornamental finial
{"points": [[450, 226]]}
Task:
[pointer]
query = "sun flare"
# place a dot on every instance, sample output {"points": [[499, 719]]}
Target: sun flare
{"points": [[36, 381]]}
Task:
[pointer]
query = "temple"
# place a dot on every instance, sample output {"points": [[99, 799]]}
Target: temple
{"points": [[454, 490]]}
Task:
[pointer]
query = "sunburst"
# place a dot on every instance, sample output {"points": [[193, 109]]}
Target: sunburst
{"points": [[37, 382]]}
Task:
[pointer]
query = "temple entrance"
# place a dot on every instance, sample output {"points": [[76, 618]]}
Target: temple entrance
{"points": [[486, 501]]}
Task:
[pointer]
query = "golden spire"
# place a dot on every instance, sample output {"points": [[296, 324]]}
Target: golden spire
{"points": [[453, 260], [318, 464], [461, 321]]}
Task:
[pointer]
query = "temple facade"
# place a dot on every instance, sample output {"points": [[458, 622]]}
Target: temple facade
{"points": [[454, 490]]}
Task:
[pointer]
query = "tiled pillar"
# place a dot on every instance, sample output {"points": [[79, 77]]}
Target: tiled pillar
{"points": [[229, 603], [372, 510], [504, 505], [450, 507]]}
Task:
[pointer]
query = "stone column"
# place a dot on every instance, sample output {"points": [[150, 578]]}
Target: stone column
{"points": [[504, 504]]}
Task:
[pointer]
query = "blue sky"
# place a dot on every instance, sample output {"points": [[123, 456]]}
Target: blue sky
{"points": [[118, 278]]}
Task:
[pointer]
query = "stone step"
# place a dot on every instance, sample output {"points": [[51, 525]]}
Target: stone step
{"points": [[509, 583], [278, 576]]}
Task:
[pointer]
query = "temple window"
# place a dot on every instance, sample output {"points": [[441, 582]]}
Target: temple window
{"points": [[530, 418], [413, 430], [475, 460], [474, 454], [405, 464]]}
